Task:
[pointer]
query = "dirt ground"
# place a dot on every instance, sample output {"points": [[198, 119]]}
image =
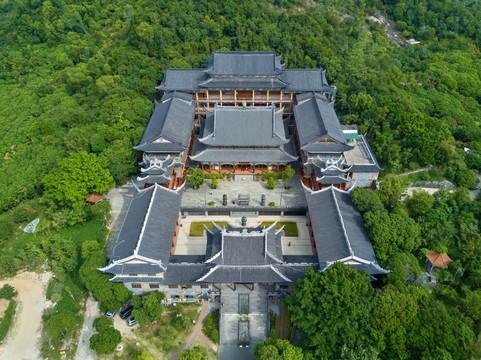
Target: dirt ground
{"points": [[23, 340]]}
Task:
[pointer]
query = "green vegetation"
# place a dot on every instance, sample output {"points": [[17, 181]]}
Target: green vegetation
{"points": [[288, 173], [290, 227], [147, 308], [211, 326], [272, 204], [271, 184], [214, 184], [7, 292], [76, 176], [277, 349], [213, 176], [195, 176], [211, 203], [107, 338], [197, 227], [427, 175], [274, 325], [196, 353], [7, 319]]}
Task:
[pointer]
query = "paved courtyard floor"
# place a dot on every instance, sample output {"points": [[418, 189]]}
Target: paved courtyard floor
{"points": [[291, 198], [196, 245]]}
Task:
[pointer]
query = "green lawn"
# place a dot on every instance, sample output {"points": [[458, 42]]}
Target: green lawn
{"points": [[290, 227], [197, 228], [428, 175], [7, 319]]}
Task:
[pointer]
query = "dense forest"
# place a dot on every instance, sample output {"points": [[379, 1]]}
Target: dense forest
{"points": [[77, 88]]}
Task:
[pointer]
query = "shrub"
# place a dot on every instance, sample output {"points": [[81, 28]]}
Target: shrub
{"points": [[7, 292], [214, 184], [105, 341], [211, 203], [288, 173], [271, 184], [272, 204]]}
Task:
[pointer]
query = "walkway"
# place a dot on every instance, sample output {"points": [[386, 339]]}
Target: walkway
{"points": [[197, 332], [229, 322], [84, 352]]}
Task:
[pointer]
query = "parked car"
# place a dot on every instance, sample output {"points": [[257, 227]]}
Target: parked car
{"points": [[110, 314], [131, 321], [125, 313]]}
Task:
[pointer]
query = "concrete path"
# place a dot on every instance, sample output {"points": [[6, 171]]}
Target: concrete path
{"points": [[197, 331], [91, 313], [293, 197]]}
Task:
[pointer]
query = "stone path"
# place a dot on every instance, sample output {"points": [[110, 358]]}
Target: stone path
{"points": [[91, 313], [197, 332], [229, 318]]}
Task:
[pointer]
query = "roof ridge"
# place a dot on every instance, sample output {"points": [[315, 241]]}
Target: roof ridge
{"points": [[342, 221], [145, 221]]}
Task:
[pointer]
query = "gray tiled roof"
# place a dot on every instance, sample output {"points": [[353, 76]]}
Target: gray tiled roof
{"points": [[154, 179], [182, 274], [137, 279], [316, 119], [372, 269], [245, 70], [329, 180], [301, 80], [149, 225], [182, 79], [237, 155], [244, 126], [337, 226], [244, 246], [136, 268], [244, 83], [327, 148], [172, 120], [243, 274], [245, 63]]}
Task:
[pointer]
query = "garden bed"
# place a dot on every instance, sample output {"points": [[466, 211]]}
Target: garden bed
{"points": [[290, 227], [197, 228]]}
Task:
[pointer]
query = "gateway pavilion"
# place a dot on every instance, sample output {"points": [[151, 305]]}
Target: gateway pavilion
{"points": [[243, 115]]}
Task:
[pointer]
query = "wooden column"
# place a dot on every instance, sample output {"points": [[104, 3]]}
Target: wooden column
{"points": [[290, 104], [235, 97], [267, 97], [208, 104], [253, 97], [220, 95]]}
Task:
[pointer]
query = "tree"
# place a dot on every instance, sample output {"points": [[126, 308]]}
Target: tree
{"points": [[195, 176], [89, 247], [271, 184], [111, 295], [392, 187], [196, 353], [61, 252], [277, 349], [105, 341], [60, 325], [215, 183], [147, 308], [75, 177], [288, 173], [419, 203], [393, 316], [332, 308]]}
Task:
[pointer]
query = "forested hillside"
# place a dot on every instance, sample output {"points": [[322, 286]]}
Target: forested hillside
{"points": [[76, 91], [80, 76]]}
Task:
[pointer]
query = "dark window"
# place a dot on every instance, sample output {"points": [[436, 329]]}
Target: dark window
{"points": [[151, 274], [132, 274], [204, 286], [173, 286], [136, 286], [186, 287], [153, 286]]}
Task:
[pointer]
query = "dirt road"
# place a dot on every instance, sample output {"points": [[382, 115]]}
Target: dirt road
{"points": [[23, 340]]}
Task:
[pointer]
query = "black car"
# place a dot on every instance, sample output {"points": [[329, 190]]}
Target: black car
{"points": [[126, 312]]}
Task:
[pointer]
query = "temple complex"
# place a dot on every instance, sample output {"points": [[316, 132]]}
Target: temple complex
{"points": [[244, 114]]}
